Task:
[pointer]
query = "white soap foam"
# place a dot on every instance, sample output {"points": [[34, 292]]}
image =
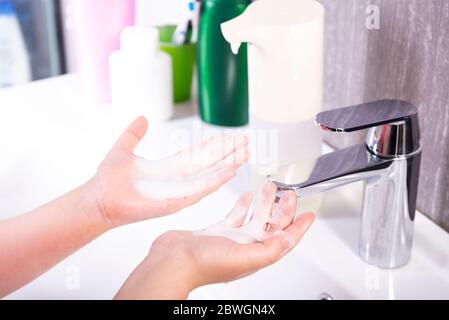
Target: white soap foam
{"points": [[160, 190], [189, 172], [245, 235], [171, 185]]}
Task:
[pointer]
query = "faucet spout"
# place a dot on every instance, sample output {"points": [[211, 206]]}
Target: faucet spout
{"points": [[336, 169], [388, 163]]}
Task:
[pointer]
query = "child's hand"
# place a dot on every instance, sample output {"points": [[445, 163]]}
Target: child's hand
{"points": [[128, 189], [180, 261]]}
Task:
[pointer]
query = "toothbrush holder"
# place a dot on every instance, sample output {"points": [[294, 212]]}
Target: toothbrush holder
{"points": [[183, 59]]}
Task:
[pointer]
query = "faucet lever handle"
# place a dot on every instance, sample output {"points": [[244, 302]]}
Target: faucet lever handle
{"points": [[394, 126], [366, 115]]}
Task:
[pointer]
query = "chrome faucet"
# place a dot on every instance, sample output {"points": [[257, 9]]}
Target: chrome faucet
{"points": [[388, 163]]}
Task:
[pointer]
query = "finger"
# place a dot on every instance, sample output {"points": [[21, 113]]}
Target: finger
{"points": [[262, 254], [196, 192], [220, 149], [169, 169], [258, 255], [203, 186], [237, 158], [129, 140], [197, 147], [296, 230], [180, 193], [285, 212], [233, 161], [264, 206], [161, 170], [238, 214], [211, 153]]}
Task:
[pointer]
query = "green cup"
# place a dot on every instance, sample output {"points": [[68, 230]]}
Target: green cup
{"points": [[183, 58]]}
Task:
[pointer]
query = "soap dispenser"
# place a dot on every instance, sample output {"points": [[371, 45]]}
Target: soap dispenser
{"points": [[285, 67]]}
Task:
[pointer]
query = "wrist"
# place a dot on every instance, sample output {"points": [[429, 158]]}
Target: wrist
{"points": [[155, 279], [173, 280], [173, 264], [93, 208], [170, 267]]}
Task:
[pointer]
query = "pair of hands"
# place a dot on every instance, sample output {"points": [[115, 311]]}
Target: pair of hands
{"points": [[180, 261]]}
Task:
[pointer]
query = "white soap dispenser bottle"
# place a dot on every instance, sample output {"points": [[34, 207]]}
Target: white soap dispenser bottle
{"points": [[141, 77], [286, 80], [286, 70]]}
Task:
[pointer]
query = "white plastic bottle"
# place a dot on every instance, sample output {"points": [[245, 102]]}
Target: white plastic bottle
{"points": [[141, 77], [14, 61]]}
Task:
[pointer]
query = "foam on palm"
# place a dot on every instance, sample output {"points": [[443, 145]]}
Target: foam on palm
{"points": [[262, 224], [250, 233], [191, 171]]}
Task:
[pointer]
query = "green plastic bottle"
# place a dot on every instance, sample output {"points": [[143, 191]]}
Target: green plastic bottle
{"points": [[223, 76]]}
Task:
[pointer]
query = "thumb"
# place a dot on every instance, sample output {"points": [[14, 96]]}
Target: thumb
{"points": [[129, 140]]}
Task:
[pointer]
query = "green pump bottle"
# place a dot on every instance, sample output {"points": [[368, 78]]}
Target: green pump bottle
{"points": [[222, 76]]}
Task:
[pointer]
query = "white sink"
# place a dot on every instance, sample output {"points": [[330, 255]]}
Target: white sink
{"points": [[326, 261]]}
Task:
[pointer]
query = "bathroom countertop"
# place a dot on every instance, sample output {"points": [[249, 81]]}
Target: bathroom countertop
{"points": [[51, 141]]}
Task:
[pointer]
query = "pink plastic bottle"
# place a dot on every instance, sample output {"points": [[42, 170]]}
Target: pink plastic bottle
{"points": [[98, 24]]}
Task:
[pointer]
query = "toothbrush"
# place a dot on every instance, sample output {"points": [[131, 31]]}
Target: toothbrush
{"points": [[183, 33], [196, 20]]}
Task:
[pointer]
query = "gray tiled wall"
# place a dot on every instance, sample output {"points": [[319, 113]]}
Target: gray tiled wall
{"points": [[407, 58]]}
